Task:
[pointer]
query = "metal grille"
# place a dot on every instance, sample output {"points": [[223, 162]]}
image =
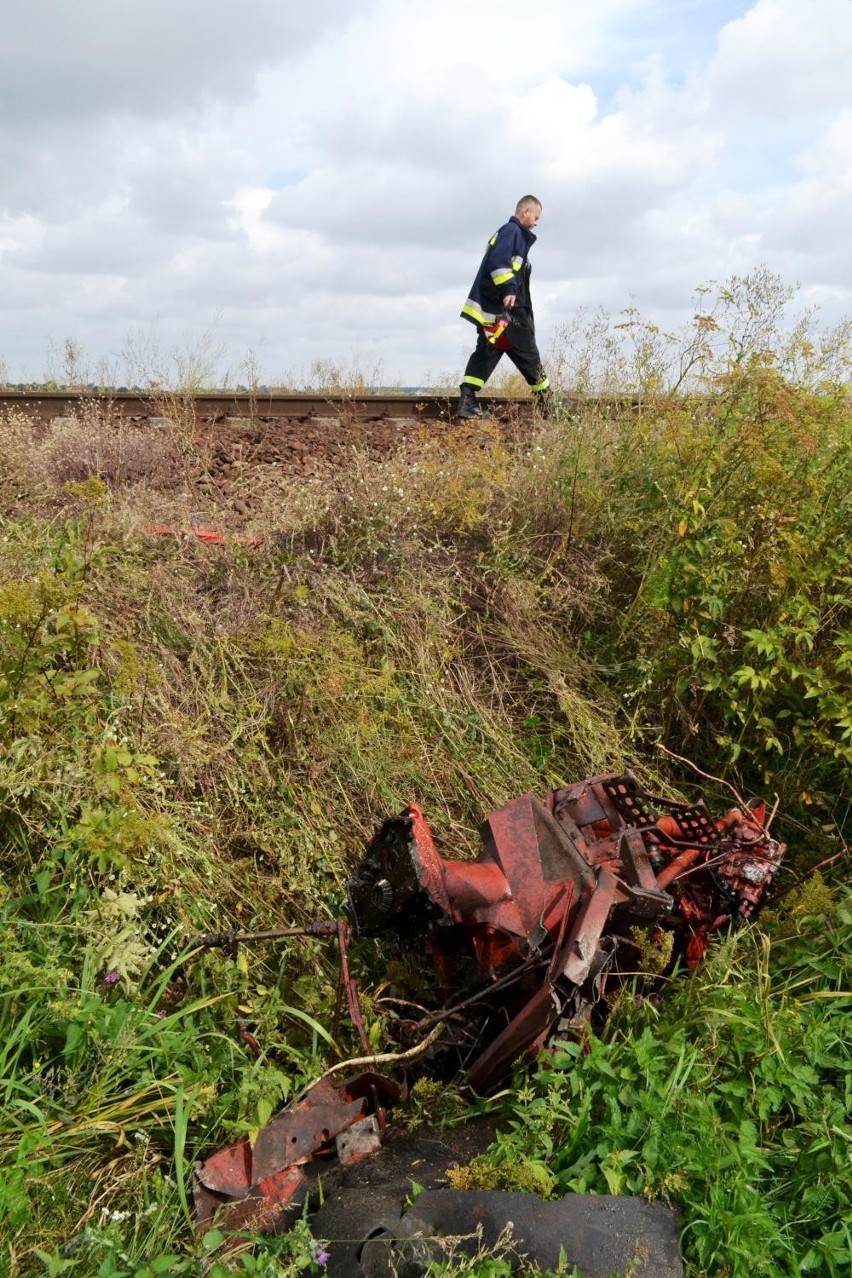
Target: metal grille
{"points": [[628, 800]]}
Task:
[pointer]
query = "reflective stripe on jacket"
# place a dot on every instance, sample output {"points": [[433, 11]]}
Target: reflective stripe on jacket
{"points": [[504, 270]]}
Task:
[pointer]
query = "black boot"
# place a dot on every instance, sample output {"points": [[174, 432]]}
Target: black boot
{"points": [[468, 406]]}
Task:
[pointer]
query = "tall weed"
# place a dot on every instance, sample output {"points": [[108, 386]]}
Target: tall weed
{"points": [[196, 737]]}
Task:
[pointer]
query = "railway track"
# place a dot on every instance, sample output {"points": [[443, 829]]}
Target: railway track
{"points": [[212, 407], [240, 439]]}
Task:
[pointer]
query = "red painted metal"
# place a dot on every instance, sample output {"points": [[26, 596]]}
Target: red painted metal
{"points": [[523, 940], [553, 897], [348, 985], [255, 1185]]}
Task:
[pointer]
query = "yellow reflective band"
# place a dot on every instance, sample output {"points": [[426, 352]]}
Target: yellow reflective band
{"points": [[500, 277], [542, 386], [473, 381], [471, 309], [517, 263]]}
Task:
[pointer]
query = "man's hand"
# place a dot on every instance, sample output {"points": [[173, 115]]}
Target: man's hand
{"points": [[509, 301]]}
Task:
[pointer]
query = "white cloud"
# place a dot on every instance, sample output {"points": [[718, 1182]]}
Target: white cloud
{"points": [[324, 178], [85, 59], [784, 61]]}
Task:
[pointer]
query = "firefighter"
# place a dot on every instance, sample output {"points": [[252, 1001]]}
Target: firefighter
{"points": [[500, 307]]}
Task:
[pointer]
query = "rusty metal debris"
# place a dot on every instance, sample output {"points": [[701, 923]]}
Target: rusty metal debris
{"points": [[256, 1185], [199, 530], [525, 942], [346, 986], [526, 939]]}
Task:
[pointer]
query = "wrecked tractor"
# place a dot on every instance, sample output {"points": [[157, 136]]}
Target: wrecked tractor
{"points": [[526, 939], [564, 902]]}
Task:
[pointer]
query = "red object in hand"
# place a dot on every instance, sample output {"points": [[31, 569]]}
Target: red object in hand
{"points": [[496, 333]]}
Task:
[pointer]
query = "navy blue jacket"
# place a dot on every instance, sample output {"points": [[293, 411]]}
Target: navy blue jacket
{"points": [[504, 270]]}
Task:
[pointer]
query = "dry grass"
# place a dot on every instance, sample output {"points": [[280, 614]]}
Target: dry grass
{"points": [[38, 461]]}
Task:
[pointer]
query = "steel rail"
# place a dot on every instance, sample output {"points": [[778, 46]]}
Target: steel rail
{"points": [[219, 406], [265, 406]]}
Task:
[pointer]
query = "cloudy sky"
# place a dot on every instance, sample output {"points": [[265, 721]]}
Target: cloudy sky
{"points": [[316, 181]]}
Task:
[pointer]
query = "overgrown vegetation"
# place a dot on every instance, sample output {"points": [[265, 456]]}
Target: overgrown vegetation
{"points": [[199, 735], [732, 1098]]}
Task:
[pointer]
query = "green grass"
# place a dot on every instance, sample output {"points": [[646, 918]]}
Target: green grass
{"points": [[730, 1098], [196, 737]]}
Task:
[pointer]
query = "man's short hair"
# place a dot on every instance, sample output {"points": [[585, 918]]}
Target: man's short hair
{"points": [[524, 203]]}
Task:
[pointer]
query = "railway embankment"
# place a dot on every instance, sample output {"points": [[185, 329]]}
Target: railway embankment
{"points": [[200, 735]]}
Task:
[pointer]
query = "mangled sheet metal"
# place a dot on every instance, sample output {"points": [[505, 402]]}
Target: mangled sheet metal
{"points": [[257, 1185], [524, 943], [525, 939]]}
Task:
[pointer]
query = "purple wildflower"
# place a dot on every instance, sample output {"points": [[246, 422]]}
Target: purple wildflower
{"points": [[111, 977]]}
